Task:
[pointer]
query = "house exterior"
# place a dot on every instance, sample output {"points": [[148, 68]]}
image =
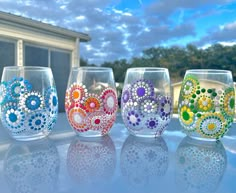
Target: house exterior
{"points": [[27, 42]]}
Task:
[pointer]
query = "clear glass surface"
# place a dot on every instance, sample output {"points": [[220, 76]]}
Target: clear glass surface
{"points": [[207, 103], [91, 100], [28, 102], [146, 102]]}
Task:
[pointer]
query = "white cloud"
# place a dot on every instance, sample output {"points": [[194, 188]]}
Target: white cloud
{"points": [[80, 17]]}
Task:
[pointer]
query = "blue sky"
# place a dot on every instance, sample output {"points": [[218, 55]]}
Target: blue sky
{"points": [[124, 28]]}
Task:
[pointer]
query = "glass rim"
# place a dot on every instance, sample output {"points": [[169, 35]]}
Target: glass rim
{"points": [[208, 71], [151, 69], [92, 69], [29, 68]]}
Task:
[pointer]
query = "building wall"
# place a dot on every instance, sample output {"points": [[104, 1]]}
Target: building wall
{"points": [[37, 48]]}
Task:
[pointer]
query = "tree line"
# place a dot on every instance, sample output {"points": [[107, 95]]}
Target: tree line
{"points": [[177, 60]]}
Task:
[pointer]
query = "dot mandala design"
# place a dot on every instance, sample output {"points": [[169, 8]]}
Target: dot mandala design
{"points": [[97, 120], [92, 103], [110, 103], [152, 123], [3, 92], [37, 121], [14, 119], [91, 111], [204, 103], [18, 86], [189, 87], [76, 92], [31, 101], [148, 105], [24, 111], [196, 103], [140, 103], [211, 125], [51, 100], [165, 107], [141, 89], [77, 118], [187, 117], [133, 118], [229, 102], [125, 96]]}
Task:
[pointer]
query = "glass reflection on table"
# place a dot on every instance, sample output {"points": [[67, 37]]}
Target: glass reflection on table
{"points": [[91, 161], [32, 167], [200, 165], [143, 162]]}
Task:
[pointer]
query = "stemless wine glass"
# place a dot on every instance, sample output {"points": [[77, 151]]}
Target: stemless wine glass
{"points": [[91, 100], [207, 103], [146, 102], [29, 103]]}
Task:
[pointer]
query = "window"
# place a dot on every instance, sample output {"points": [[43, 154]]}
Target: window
{"points": [[60, 64], [59, 61], [36, 56], [7, 54]]}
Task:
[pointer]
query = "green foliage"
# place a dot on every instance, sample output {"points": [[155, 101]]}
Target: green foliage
{"points": [[177, 60]]}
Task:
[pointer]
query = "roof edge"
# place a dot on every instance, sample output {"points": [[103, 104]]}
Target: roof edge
{"points": [[41, 25]]}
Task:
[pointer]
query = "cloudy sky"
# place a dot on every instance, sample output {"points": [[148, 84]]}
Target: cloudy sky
{"points": [[123, 28]]}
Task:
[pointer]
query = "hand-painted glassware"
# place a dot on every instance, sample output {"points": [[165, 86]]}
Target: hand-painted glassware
{"points": [[91, 100], [207, 103], [146, 102], [200, 165], [28, 102]]}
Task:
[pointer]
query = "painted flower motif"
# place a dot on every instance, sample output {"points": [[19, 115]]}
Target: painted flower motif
{"points": [[31, 101], [14, 119], [110, 102], [211, 125], [51, 100], [186, 116], [92, 103], [148, 105], [141, 89], [77, 118], [3, 92], [125, 96], [152, 123], [165, 107], [189, 86], [229, 102], [97, 121], [18, 86], [37, 121], [133, 118], [76, 93], [204, 103]]}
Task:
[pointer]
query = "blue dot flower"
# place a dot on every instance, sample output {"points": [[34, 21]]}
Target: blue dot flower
{"points": [[37, 121], [31, 101]]}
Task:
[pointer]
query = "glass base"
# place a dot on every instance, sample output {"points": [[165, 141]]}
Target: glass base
{"points": [[29, 137], [90, 133], [203, 139], [145, 135]]}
